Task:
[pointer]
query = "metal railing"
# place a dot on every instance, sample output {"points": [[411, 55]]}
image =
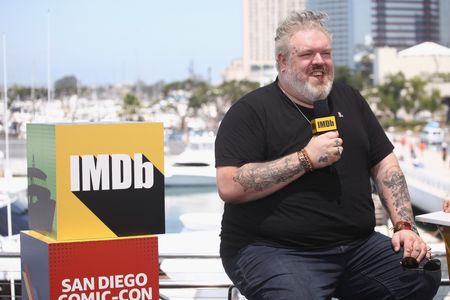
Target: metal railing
{"points": [[6, 291]]}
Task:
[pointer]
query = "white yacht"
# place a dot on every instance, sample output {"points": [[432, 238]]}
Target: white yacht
{"points": [[194, 166], [13, 219], [13, 206]]}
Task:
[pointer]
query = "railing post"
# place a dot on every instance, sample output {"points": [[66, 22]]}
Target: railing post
{"points": [[13, 289]]}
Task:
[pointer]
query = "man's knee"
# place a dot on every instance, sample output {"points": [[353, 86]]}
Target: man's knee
{"points": [[431, 283], [424, 284]]}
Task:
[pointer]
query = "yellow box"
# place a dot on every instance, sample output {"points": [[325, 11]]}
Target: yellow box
{"points": [[89, 181]]}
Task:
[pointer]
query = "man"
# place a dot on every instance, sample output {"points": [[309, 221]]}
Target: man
{"points": [[299, 219], [446, 205]]}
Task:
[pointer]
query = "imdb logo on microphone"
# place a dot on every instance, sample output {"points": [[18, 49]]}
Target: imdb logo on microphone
{"points": [[324, 124], [102, 180]]}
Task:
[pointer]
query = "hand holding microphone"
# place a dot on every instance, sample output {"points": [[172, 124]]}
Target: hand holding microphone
{"points": [[325, 148]]}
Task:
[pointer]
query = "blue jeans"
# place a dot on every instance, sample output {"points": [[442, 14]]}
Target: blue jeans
{"points": [[368, 269]]}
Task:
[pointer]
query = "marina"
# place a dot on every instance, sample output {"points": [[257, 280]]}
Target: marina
{"points": [[190, 267], [189, 262], [191, 110]]}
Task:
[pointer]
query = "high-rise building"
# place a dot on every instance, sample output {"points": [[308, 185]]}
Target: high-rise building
{"points": [[342, 27], [444, 11], [401, 24], [260, 18]]}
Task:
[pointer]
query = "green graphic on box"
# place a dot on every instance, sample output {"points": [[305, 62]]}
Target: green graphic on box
{"points": [[41, 163]]}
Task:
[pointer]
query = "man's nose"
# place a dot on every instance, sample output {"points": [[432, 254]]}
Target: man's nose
{"points": [[317, 59]]}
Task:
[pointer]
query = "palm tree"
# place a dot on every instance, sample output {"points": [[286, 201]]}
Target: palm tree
{"points": [[131, 108], [229, 92], [390, 94]]}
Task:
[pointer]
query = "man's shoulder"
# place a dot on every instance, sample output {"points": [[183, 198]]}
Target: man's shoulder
{"points": [[344, 92], [256, 102], [341, 87], [260, 95]]}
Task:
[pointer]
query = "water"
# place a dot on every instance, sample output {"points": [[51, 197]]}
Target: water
{"points": [[181, 200], [178, 200]]}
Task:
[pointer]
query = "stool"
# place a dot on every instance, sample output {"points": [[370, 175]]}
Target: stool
{"points": [[234, 294]]}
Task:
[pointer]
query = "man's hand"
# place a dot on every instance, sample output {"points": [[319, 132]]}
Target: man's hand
{"points": [[446, 205], [413, 245], [325, 149]]}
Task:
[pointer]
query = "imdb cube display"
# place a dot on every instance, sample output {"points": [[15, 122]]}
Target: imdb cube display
{"points": [[89, 181], [120, 268]]}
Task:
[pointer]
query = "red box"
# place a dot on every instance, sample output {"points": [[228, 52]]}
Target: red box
{"points": [[109, 269]]}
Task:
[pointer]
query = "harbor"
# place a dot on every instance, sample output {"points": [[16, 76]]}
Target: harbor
{"points": [[189, 262], [143, 204]]}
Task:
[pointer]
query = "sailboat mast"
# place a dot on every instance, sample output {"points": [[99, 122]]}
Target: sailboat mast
{"points": [[49, 89], [5, 111], [6, 170]]}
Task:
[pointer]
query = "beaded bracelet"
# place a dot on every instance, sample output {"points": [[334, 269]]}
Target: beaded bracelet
{"points": [[305, 161], [308, 158], [401, 225]]}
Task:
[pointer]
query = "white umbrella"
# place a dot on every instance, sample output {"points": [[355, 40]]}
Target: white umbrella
{"points": [[425, 49]]}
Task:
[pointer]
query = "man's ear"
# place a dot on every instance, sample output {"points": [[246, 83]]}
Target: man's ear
{"points": [[282, 62]]}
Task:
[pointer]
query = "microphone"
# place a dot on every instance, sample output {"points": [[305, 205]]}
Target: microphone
{"points": [[322, 121]]}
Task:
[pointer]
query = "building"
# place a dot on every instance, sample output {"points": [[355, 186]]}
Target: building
{"points": [[341, 26], [260, 18], [421, 60], [444, 11], [401, 24]]}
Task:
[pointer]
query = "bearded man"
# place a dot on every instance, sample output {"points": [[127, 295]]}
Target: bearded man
{"points": [[299, 218]]}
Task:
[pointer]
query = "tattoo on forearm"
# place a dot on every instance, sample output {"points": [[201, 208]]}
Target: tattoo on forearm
{"points": [[395, 183], [258, 176]]}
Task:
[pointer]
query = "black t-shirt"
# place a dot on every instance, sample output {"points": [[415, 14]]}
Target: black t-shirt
{"points": [[326, 207]]}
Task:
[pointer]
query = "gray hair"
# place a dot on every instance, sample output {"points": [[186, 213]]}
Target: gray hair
{"points": [[295, 22]]}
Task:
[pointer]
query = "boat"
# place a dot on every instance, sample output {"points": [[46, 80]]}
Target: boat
{"points": [[13, 206], [194, 166], [427, 187], [13, 219]]}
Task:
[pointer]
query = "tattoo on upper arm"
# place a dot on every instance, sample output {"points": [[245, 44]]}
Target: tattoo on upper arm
{"points": [[258, 176], [395, 184]]}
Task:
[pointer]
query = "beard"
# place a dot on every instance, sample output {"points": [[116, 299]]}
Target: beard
{"points": [[302, 88]]}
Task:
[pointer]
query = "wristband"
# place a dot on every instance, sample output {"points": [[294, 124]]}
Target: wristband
{"points": [[403, 225], [305, 161]]}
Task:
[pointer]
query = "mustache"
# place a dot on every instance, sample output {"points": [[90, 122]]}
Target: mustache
{"points": [[326, 71], [319, 68]]}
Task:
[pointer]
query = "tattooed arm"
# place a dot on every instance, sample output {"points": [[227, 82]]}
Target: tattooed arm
{"points": [[393, 191], [254, 181]]}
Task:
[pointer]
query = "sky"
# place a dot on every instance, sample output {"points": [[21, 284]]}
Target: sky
{"points": [[118, 41]]}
